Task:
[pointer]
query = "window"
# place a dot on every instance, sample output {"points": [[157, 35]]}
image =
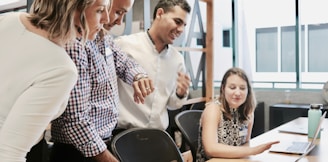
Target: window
{"points": [[278, 59], [266, 50]]}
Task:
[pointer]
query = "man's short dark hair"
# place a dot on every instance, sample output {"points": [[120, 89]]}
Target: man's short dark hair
{"points": [[167, 5]]}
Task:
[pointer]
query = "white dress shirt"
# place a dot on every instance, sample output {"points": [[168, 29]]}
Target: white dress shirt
{"points": [[163, 69]]}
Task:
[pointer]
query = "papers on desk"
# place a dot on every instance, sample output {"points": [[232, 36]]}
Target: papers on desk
{"points": [[298, 129]]}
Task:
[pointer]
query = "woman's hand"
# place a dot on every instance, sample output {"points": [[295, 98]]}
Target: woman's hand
{"points": [[261, 148]]}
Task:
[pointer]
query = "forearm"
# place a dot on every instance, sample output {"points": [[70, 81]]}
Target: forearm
{"points": [[126, 67], [227, 151]]}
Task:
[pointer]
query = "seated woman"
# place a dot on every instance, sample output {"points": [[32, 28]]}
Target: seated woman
{"points": [[226, 124]]}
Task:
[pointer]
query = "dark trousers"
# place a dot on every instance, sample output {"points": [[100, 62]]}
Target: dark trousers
{"points": [[68, 153], [39, 152]]}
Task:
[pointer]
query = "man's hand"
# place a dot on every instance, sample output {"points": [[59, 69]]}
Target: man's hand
{"points": [[183, 83], [142, 88]]}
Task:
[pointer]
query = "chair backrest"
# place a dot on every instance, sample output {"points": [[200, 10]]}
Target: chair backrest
{"points": [[198, 106], [188, 123], [145, 145]]}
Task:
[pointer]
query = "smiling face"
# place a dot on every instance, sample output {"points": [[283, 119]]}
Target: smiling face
{"points": [[117, 12], [235, 91], [96, 16], [171, 24]]}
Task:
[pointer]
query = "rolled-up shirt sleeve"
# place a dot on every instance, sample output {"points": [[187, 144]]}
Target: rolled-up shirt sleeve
{"points": [[126, 67]]}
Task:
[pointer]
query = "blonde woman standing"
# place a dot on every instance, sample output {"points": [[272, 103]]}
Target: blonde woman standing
{"points": [[36, 73]]}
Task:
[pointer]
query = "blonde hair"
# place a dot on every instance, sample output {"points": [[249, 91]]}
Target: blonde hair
{"points": [[57, 17]]}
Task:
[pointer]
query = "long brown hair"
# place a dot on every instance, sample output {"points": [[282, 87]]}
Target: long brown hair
{"points": [[250, 103]]}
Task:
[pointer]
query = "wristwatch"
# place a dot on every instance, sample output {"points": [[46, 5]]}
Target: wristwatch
{"points": [[140, 76]]}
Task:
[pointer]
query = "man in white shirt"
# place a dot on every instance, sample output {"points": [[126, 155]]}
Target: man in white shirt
{"points": [[163, 63]]}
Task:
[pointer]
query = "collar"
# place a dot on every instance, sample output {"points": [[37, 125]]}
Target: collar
{"points": [[150, 37]]}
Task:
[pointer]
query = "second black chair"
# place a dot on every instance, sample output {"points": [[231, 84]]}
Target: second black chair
{"points": [[188, 123], [145, 145]]}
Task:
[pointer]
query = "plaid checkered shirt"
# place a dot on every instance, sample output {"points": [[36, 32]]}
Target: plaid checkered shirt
{"points": [[92, 109]]}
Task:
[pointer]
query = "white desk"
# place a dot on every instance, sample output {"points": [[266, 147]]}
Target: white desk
{"points": [[318, 154]]}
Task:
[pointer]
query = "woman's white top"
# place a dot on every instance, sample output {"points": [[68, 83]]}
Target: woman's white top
{"points": [[36, 77]]}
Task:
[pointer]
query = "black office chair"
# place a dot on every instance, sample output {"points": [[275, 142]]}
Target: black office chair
{"points": [[198, 106], [188, 123], [145, 145]]}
